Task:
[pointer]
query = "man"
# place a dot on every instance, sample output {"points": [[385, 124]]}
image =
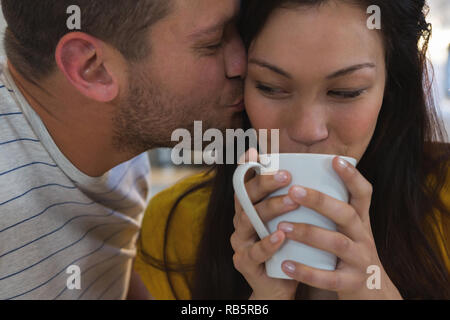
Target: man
{"points": [[78, 108]]}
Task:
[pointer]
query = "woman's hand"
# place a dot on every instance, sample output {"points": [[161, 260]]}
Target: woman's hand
{"points": [[250, 252], [353, 243]]}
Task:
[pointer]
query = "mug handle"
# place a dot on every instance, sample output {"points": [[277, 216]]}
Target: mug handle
{"points": [[244, 200]]}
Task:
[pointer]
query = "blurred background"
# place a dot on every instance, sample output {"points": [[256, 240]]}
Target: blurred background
{"points": [[165, 174], [439, 54]]}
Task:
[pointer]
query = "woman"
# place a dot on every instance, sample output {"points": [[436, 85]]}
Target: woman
{"points": [[331, 85]]}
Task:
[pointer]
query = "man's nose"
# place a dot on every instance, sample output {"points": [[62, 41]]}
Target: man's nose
{"points": [[235, 58]]}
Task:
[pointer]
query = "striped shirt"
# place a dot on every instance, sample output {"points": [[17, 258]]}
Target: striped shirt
{"points": [[63, 234]]}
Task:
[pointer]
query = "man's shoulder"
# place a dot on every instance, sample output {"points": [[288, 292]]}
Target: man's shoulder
{"points": [[13, 122], [24, 163]]}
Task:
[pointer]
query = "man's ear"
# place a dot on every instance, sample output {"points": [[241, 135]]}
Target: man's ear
{"points": [[80, 58]]}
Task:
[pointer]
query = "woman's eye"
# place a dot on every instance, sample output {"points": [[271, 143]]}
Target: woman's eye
{"points": [[269, 90], [347, 94]]}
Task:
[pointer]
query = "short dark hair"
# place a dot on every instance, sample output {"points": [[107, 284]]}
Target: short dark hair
{"points": [[36, 27]]}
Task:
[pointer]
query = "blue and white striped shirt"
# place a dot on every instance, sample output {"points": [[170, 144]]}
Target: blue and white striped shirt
{"points": [[52, 216]]}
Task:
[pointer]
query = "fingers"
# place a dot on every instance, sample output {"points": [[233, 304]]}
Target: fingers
{"points": [[249, 259], [259, 186], [359, 188], [343, 214], [263, 250], [267, 210], [323, 239], [250, 156], [337, 281], [262, 185]]}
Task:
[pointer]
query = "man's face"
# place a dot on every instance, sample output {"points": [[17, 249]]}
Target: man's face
{"points": [[194, 72]]}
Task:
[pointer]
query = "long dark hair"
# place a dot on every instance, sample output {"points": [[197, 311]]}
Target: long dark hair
{"points": [[402, 156]]}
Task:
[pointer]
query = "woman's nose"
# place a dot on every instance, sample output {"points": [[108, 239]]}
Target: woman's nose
{"points": [[308, 126]]}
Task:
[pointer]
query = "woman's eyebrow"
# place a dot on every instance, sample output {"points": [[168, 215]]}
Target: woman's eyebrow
{"points": [[270, 67], [336, 74], [351, 69]]}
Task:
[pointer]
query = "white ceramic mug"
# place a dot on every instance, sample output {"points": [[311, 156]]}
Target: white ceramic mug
{"points": [[313, 171]]}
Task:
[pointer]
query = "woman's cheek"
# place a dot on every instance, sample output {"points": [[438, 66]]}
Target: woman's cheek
{"points": [[263, 112], [357, 124]]}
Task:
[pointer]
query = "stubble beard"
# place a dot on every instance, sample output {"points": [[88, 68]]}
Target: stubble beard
{"points": [[149, 114]]}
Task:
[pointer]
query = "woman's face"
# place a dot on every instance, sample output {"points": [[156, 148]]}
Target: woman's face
{"points": [[318, 75]]}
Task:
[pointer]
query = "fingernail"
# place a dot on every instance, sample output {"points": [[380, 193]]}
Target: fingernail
{"points": [[288, 201], [289, 267], [299, 192], [281, 176], [274, 238], [286, 227], [342, 163]]}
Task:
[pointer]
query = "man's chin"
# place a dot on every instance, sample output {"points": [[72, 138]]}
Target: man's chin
{"points": [[236, 121], [227, 121]]}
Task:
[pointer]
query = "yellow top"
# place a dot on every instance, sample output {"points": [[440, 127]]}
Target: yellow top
{"points": [[185, 234]]}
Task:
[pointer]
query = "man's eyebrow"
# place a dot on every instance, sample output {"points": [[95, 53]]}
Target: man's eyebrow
{"points": [[270, 67], [351, 69], [219, 25], [208, 30]]}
